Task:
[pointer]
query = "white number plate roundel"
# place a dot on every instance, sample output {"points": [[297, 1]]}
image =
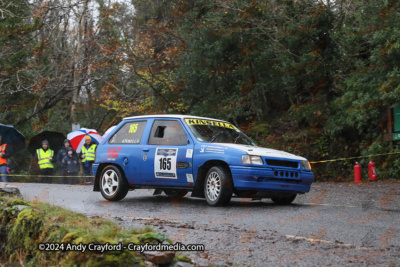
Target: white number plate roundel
{"points": [[165, 163]]}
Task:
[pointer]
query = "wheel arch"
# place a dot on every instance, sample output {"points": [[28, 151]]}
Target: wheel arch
{"points": [[198, 189]]}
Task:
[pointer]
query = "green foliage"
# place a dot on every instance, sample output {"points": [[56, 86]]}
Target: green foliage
{"points": [[259, 129], [18, 202], [22, 232], [371, 82], [302, 76], [154, 238], [184, 258], [388, 166]]}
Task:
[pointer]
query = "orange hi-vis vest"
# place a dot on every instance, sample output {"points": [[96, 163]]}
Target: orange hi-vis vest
{"points": [[3, 150]]}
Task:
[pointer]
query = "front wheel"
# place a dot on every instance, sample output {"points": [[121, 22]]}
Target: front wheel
{"points": [[286, 200], [218, 187], [113, 185]]}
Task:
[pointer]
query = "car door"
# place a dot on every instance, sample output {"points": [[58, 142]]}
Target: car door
{"points": [[124, 149], [167, 157]]}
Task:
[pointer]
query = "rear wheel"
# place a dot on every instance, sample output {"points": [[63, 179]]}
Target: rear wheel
{"points": [[286, 200], [113, 185], [176, 192], [218, 186]]}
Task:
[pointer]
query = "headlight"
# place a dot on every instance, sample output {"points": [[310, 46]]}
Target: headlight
{"points": [[305, 164], [250, 159]]}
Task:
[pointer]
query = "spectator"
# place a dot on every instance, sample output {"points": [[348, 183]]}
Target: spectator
{"points": [[88, 155], [62, 153], [45, 160], [4, 155], [71, 166]]}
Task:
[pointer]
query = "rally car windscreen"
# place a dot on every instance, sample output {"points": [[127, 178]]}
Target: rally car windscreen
{"points": [[217, 132]]}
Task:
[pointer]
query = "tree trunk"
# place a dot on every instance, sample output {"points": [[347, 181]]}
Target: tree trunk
{"points": [[77, 66]]}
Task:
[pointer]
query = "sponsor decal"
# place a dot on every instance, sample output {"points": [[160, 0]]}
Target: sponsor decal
{"points": [[209, 122], [131, 141], [113, 153], [189, 177], [212, 149], [166, 152], [165, 175], [183, 164], [189, 153]]}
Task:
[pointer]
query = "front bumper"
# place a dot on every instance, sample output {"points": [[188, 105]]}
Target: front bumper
{"points": [[286, 180]]}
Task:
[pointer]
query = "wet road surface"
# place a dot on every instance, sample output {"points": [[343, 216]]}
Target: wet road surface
{"points": [[336, 224]]}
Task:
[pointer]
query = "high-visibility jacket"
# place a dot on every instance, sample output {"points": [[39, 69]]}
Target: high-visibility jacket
{"points": [[44, 158], [89, 153], [3, 148]]}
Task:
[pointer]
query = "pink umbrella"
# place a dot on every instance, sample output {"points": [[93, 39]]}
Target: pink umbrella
{"points": [[77, 138]]}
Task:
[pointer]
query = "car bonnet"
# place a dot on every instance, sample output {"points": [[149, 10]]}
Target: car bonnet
{"points": [[262, 151]]}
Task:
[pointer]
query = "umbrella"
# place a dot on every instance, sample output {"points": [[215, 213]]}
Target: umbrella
{"points": [[108, 131], [12, 137], [56, 141], [78, 138]]}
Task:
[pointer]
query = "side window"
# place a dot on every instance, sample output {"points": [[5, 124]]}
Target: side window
{"points": [[129, 133], [166, 132]]}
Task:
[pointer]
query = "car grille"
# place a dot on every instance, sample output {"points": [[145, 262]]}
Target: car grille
{"points": [[282, 163]]}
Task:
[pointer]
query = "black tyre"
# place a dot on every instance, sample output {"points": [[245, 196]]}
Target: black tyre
{"points": [[177, 193], [113, 185], [218, 186], [286, 200]]}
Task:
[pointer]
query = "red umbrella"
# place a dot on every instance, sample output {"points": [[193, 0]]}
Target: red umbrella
{"points": [[77, 138]]}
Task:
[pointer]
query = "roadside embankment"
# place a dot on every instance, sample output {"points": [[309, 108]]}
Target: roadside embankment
{"points": [[39, 234]]}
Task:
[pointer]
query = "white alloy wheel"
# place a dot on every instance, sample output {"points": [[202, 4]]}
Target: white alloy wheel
{"points": [[213, 186], [113, 185], [109, 182], [218, 186]]}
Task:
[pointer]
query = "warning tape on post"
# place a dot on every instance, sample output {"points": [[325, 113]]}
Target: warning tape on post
{"points": [[360, 157], [311, 162], [44, 175]]}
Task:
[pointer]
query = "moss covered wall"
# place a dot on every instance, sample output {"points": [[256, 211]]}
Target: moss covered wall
{"points": [[24, 225]]}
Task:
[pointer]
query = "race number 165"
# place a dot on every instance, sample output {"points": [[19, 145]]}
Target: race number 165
{"points": [[165, 164]]}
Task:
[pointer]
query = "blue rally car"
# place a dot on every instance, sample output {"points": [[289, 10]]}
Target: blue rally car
{"points": [[211, 158]]}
